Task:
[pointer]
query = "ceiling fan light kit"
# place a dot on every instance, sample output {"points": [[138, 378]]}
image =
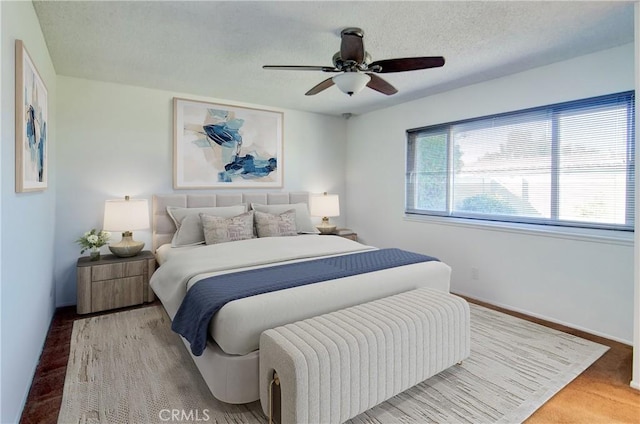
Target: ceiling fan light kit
{"points": [[357, 70], [351, 82]]}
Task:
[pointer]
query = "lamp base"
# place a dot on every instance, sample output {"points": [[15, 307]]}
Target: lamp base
{"points": [[325, 227], [127, 247]]}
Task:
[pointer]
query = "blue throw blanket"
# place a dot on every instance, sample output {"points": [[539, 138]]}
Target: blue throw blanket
{"points": [[207, 296]]}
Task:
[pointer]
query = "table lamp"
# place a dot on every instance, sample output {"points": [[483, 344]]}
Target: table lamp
{"points": [[325, 205], [125, 216]]}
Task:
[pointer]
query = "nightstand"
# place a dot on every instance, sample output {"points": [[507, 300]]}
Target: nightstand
{"points": [[347, 233], [112, 282]]}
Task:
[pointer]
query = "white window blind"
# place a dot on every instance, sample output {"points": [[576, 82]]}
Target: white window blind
{"points": [[565, 164]]}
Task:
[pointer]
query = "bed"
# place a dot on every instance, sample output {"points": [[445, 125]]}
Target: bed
{"points": [[229, 364]]}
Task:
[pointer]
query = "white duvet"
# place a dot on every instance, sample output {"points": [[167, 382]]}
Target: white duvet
{"points": [[236, 327]]}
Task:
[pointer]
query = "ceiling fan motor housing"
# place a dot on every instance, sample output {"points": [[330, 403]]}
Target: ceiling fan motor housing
{"points": [[351, 65], [352, 31], [357, 70]]}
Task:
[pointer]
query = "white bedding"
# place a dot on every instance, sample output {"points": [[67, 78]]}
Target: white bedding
{"points": [[236, 327]]}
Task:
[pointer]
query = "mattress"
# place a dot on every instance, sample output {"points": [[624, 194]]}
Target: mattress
{"points": [[236, 328]]}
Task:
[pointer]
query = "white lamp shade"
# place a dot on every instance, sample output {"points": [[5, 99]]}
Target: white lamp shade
{"points": [[351, 82], [126, 215], [324, 205]]}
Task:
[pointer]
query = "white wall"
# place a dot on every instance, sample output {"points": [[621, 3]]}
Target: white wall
{"points": [[27, 221], [1, 156], [117, 140], [585, 284]]}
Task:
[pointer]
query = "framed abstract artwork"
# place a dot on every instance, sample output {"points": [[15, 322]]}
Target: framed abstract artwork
{"points": [[31, 124], [223, 146]]}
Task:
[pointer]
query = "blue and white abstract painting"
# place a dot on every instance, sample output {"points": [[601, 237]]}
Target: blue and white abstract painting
{"points": [[31, 134], [219, 145]]}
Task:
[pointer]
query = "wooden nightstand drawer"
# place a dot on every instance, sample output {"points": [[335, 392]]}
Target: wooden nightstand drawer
{"points": [[134, 268], [112, 282], [111, 271], [352, 236], [107, 272], [110, 294], [347, 233]]}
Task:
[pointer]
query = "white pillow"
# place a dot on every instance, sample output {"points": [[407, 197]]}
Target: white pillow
{"points": [[189, 227], [222, 230], [303, 219], [270, 225]]}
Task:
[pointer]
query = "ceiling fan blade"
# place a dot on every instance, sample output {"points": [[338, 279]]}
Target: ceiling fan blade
{"points": [[320, 87], [407, 64], [352, 46], [301, 68], [378, 84]]}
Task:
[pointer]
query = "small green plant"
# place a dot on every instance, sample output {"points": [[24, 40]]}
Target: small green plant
{"points": [[93, 239]]}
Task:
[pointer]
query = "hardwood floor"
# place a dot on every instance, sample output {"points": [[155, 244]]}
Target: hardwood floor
{"points": [[45, 395], [601, 394]]}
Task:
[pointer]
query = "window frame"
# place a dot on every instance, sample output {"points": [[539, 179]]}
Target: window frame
{"points": [[554, 110]]}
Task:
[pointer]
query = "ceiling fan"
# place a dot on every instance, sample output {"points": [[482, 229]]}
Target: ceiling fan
{"points": [[357, 69]]}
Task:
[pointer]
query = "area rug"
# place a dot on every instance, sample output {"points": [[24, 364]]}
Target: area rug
{"points": [[129, 367]]}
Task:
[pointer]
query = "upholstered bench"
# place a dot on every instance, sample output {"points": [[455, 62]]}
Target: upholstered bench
{"points": [[333, 367]]}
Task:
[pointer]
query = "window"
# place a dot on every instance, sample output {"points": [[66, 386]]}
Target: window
{"points": [[569, 164]]}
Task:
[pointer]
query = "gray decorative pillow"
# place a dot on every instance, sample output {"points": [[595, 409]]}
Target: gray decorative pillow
{"points": [[222, 230], [189, 226], [269, 225], [303, 219]]}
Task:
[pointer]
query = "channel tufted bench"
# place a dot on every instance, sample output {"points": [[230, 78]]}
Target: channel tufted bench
{"points": [[333, 367]]}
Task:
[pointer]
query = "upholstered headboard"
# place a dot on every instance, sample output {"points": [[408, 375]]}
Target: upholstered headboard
{"points": [[163, 226]]}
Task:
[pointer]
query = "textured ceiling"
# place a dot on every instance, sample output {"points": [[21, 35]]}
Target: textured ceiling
{"points": [[217, 49]]}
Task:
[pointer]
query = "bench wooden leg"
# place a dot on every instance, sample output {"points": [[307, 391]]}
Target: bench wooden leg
{"points": [[274, 399]]}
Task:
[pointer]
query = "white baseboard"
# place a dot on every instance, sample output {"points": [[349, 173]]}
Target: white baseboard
{"points": [[635, 385]]}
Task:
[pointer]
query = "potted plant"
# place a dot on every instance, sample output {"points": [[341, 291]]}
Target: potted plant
{"points": [[92, 241]]}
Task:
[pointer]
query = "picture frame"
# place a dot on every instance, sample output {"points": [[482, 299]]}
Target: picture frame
{"points": [[31, 124], [224, 146]]}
